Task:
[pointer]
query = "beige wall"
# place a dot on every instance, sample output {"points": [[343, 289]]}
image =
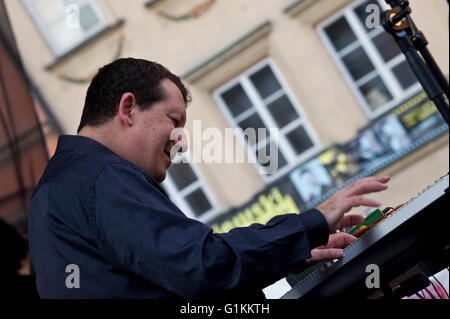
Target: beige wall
{"points": [[292, 43]]}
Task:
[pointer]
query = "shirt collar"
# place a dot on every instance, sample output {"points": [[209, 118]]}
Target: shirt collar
{"points": [[76, 142], [82, 143]]}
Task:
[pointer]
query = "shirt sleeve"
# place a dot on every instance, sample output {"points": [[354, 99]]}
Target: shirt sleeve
{"points": [[140, 230]]}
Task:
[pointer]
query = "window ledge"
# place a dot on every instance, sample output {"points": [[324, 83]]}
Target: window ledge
{"points": [[71, 52], [313, 11], [297, 6], [150, 3], [231, 49]]}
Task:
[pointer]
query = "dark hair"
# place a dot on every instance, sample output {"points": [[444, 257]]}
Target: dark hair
{"points": [[137, 76]]}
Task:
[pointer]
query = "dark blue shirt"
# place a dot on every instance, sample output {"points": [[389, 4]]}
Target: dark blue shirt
{"points": [[96, 210]]}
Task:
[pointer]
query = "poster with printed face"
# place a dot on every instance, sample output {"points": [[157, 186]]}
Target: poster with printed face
{"points": [[363, 151], [368, 147], [311, 180], [392, 134]]}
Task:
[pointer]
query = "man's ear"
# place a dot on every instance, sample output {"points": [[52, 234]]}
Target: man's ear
{"points": [[127, 109]]}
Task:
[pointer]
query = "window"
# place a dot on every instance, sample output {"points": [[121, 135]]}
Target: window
{"points": [[66, 23], [369, 58], [258, 98], [188, 192]]}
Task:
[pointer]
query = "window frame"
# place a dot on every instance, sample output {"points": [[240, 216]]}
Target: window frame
{"points": [[259, 107], [178, 196], [382, 69], [43, 29]]}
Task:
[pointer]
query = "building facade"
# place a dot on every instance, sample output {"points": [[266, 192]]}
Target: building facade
{"points": [[322, 73]]}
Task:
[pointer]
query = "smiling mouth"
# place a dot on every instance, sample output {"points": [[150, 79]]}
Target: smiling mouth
{"points": [[167, 151], [168, 154]]}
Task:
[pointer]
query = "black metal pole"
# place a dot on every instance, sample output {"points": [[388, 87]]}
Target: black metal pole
{"points": [[420, 42], [435, 69], [399, 24], [425, 77]]}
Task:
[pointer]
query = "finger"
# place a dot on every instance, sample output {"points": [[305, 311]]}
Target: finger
{"points": [[325, 254], [356, 201], [367, 185], [350, 220], [381, 179], [340, 240]]}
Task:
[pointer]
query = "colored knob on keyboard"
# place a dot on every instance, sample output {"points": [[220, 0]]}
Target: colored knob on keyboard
{"points": [[363, 227]]}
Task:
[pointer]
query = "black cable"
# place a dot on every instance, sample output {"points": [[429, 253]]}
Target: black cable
{"points": [[420, 296]]}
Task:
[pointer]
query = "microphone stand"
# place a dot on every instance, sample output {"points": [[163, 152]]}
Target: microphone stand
{"points": [[411, 41], [400, 25]]}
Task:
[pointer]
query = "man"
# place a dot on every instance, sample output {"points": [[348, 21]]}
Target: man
{"points": [[100, 226]]}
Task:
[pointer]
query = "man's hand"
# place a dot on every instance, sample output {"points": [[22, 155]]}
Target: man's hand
{"points": [[350, 196], [333, 249]]}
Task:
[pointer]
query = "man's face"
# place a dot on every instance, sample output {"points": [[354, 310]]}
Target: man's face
{"points": [[152, 133]]}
